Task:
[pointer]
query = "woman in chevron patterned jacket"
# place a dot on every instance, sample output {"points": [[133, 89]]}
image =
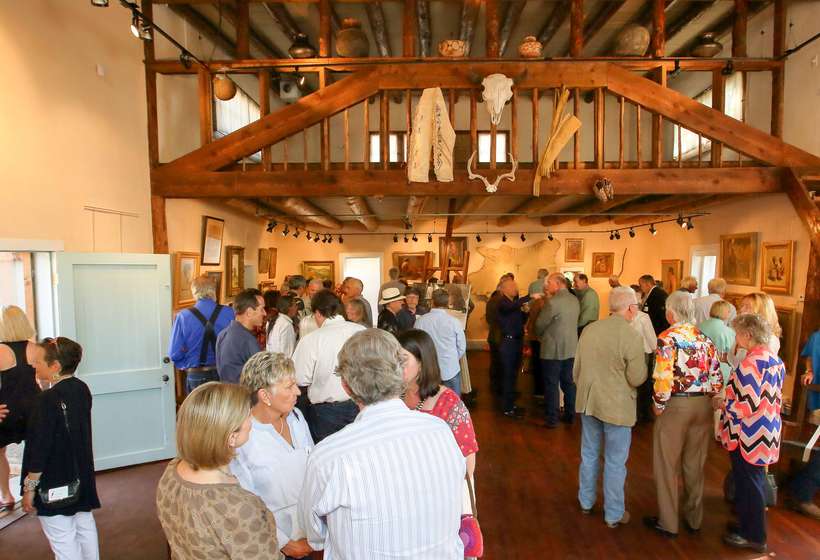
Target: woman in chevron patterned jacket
{"points": [[751, 428]]}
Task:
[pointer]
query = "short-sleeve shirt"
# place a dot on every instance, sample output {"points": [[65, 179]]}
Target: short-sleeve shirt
{"points": [[812, 350], [450, 408]]}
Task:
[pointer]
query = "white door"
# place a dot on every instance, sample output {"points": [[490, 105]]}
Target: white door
{"points": [[367, 267], [118, 307]]}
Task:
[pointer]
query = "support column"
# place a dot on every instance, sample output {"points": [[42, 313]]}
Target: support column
{"points": [[492, 29], [324, 28], [778, 74], [658, 46], [739, 29], [576, 28]]}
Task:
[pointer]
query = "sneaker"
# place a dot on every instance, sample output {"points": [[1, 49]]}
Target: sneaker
{"points": [[736, 541], [623, 521], [588, 511], [809, 509]]}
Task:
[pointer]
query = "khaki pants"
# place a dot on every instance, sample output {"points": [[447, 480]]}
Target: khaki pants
{"points": [[680, 444], [431, 130]]}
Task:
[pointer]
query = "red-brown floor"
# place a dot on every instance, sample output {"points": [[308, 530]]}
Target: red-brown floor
{"points": [[527, 481]]}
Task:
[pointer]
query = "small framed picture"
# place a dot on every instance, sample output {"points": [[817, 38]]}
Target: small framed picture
{"points": [[212, 231], [235, 281], [216, 278], [186, 268], [671, 274], [264, 261], [573, 250], [272, 265], [603, 264], [319, 269], [776, 267]]}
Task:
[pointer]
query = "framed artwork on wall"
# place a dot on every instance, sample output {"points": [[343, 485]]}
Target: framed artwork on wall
{"points": [[266, 285], [573, 250], [186, 268], [264, 261], [272, 265], [319, 269], [776, 267], [457, 247], [569, 272], [671, 274], [788, 338], [603, 264], [738, 258], [235, 270], [411, 266], [212, 231], [216, 278]]}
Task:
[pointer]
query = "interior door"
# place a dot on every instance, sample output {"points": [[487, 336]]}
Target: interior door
{"points": [[118, 307]]}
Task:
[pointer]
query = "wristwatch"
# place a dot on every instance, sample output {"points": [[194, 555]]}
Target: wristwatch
{"points": [[30, 485]]}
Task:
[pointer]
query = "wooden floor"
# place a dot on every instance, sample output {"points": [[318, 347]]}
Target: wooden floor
{"points": [[527, 482]]}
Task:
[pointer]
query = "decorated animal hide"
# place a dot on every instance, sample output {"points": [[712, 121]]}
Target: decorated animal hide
{"points": [[497, 91]]}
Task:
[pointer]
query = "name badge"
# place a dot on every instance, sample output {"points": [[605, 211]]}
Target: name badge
{"points": [[59, 493]]}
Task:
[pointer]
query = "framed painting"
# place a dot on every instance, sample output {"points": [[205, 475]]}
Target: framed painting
{"points": [[454, 249], [216, 278], [573, 250], [212, 231], [569, 272], [788, 337], [738, 258], [411, 266], [264, 261], [603, 264], [235, 275], [272, 264], [671, 274], [776, 267], [186, 268], [267, 285], [319, 269]]}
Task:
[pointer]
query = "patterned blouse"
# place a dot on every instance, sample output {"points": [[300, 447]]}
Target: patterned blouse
{"points": [[751, 413], [451, 409], [686, 362]]}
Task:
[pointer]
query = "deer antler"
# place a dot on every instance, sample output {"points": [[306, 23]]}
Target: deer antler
{"points": [[492, 187]]}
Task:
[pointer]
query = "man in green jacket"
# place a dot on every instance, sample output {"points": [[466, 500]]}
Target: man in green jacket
{"points": [[590, 305], [609, 366]]}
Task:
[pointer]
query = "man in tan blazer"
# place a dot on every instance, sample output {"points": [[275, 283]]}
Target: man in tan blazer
{"points": [[609, 366]]}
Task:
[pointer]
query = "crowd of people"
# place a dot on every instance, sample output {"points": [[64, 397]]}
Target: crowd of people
{"points": [[300, 430]]}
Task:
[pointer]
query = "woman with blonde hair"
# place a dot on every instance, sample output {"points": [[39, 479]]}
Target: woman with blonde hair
{"points": [[18, 387], [762, 304], [203, 510]]}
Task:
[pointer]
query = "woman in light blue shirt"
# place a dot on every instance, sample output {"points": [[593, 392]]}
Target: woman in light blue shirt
{"points": [[272, 464]]}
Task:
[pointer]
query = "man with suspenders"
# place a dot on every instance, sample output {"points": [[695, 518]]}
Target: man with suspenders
{"points": [[193, 337]]}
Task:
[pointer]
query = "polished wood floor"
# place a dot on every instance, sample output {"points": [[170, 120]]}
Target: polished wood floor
{"points": [[527, 481]]}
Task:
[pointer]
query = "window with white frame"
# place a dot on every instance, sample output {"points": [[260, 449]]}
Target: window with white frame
{"points": [[396, 147], [704, 266], [485, 145], [235, 113]]}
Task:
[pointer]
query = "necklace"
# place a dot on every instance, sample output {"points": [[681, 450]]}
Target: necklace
{"points": [[281, 426], [421, 404]]}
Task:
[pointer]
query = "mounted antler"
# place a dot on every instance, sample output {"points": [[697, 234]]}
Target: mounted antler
{"points": [[492, 187]]}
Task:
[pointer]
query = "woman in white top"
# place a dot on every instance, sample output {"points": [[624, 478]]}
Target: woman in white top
{"points": [[272, 463], [282, 336]]}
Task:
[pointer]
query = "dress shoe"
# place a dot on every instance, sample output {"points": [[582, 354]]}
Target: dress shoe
{"points": [[623, 521], [654, 524], [515, 412], [736, 541], [689, 529], [550, 425]]}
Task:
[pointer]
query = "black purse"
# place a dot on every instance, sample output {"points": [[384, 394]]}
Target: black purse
{"points": [[66, 494]]}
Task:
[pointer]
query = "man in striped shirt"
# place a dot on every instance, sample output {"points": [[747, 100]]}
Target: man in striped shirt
{"points": [[389, 485]]}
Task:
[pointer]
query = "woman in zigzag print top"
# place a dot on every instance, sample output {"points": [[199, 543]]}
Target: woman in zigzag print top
{"points": [[751, 427]]}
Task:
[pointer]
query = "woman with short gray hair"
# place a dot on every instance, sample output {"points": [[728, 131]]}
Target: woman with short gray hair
{"points": [[680, 305], [370, 365], [272, 463]]}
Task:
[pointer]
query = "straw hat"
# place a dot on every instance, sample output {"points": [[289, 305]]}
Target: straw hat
{"points": [[391, 294]]}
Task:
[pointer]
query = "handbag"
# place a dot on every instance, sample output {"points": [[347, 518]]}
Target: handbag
{"points": [[470, 530], [769, 488], [66, 494]]}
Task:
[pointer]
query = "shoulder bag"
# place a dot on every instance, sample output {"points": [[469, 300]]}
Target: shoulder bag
{"points": [[67, 494], [470, 531]]}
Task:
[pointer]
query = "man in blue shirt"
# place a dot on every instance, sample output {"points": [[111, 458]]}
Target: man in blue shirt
{"points": [[448, 338], [237, 343], [193, 337]]}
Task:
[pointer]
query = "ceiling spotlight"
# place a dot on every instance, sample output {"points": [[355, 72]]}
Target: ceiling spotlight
{"points": [[612, 236], [395, 238], [689, 224], [99, 3], [478, 238], [617, 234], [135, 25], [145, 32], [185, 59], [296, 233], [680, 221], [429, 238], [631, 232], [652, 229], [316, 238], [271, 226], [549, 236], [341, 239], [504, 237], [415, 238], [308, 236], [523, 237], [300, 80], [406, 240], [285, 231]]}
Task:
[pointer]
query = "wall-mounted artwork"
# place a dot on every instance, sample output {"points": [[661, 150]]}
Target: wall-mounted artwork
{"points": [[186, 268], [671, 274], [603, 264], [319, 269], [411, 266], [776, 267], [212, 231], [569, 272], [272, 266], [738, 258], [457, 247], [786, 316], [235, 277], [264, 261], [267, 285], [573, 250], [216, 278]]}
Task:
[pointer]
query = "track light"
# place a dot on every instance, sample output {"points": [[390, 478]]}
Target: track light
{"points": [[285, 231], [429, 238], [523, 237], [478, 238], [612, 236], [308, 236], [316, 238], [99, 3], [395, 238], [300, 80], [271, 226], [185, 59], [549, 236], [617, 234], [296, 233], [689, 224], [652, 229], [680, 222], [341, 239], [631, 232], [135, 25], [145, 32], [406, 240], [415, 238], [504, 237]]}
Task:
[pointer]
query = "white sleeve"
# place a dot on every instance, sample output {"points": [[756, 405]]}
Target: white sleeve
{"points": [[304, 361], [313, 507]]}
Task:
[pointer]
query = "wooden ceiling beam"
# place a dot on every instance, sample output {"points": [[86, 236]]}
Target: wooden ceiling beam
{"points": [[469, 18], [597, 23], [645, 15], [472, 205], [511, 17], [532, 206], [282, 18], [689, 17], [675, 205], [303, 210], [257, 209], [723, 26], [556, 19], [415, 206], [364, 215], [425, 35], [205, 28], [378, 25], [257, 39], [492, 29], [591, 207], [629, 206]]}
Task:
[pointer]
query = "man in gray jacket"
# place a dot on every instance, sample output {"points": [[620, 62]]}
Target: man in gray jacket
{"points": [[556, 326], [609, 366]]}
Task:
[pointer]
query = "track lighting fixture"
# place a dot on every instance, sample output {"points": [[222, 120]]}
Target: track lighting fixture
{"points": [[406, 240], [549, 236], [145, 32], [504, 237], [308, 236], [99, 3], [631, 232], [478, 238], [300, 80], [523, 237], [612, 236], [652, 229], [135, 25], [689, 224], [429, 238], [341, 239], [395, 238], [316, 238], [415, 238], [296, 233], [185, 59], [271, 226], [285, 231], [680, 222], [617, 234], [729, 69]]}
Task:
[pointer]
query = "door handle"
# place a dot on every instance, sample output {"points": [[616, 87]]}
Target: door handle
{"points": [[165, 378], [166, 360]]}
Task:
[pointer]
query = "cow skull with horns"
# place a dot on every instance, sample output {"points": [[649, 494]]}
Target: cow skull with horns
{"points": [[497, 91], [491, 187]]}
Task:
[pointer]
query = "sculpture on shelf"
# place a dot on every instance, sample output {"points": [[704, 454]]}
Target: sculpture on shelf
{"points": [[452, 48], [633, 40], [563, 127], [351, 41], [497, 91], [301, 47], [492, 187], [707, 46], [530, 47], [224, 87], [603, 189]]}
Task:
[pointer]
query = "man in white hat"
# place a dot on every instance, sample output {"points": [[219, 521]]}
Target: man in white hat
{"points": [[392, 300]]}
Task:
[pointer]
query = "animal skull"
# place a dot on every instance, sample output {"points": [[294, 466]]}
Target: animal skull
{"points": [[497, 91], [492, 187]]}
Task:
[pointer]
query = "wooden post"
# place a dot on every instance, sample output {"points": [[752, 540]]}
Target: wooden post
{"points": [[718, 104], [739, 28], [491, 21], [159, 224], [535, 118], [514, 125], [409, 28], [366, 131], [576, 28], [324, 27], [264, 109], [620, 131], [206, 125], [599, 127], [423, 19], [658, 48], [408, 122], [346, 124], [493, 132], [151, 92], [657, 125], [384, 129], [243, 49], [778, 74], [473, 123], [325, 129], [576, 147], [638, 156], [304, 149]]}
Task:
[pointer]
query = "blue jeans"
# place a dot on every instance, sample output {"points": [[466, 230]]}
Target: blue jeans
{"points": [[454, 384], [617, 440], [557, 372], [195, 379]]}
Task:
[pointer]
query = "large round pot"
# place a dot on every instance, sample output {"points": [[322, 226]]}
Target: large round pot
{"points": [[633, 40], [530, 47], [301, 47], [707, 46], [452, 48], [224, 88], [351, 41]]}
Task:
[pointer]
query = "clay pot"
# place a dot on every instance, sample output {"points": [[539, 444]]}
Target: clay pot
{"points": [[633, 40], [707, 46], [301, 47], [351, 41], [530, 47], [224, 88], [452, 48]]}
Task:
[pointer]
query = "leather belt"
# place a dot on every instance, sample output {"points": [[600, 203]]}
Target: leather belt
{"points": [[203, 369], [691, 394]]}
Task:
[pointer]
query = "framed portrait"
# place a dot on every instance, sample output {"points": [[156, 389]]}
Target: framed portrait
{"points": [[212, 231], [186, 268], [216, 278], [266, 285], [235, 270], [776, 267], [738, 258], [319, 269], [457, 247], [264, 261], [786, 316], [574, 250], [671, 274], [569, 272], [272, 264], [603, 264], [411, 266]]}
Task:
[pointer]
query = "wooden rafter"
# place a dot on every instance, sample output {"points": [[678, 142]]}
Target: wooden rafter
{"points": [[472, 205], [303, 210], [601, 18], [205, 28], [535, 206], [675, 205], [378, 25], [469, 17], [282, 18], [257, 39], [556, 19], [723, 26], [689, 17], [625, 206], [425, 36], [511, 17], [591, 207], [364, 215], [258, 209], [415, 206]]}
